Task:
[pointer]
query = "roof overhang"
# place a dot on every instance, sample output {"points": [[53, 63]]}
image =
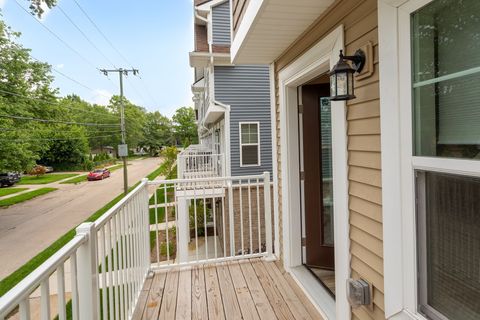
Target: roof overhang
{"points": [[202, 59], [269, 27]]}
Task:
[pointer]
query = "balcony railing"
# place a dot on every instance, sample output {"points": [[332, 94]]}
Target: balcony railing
{"points": [[198, 161], [161, 224]]}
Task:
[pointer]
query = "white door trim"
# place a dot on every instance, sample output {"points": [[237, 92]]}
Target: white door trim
{"points": [[316, 61]]}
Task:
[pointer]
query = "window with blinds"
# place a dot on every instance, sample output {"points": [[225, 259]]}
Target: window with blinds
{"points": [[446, 123], [449, 246], [249, 144], [446, 79]]}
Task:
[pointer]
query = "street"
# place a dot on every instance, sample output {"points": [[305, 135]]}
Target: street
{"points": [[28, 228]]}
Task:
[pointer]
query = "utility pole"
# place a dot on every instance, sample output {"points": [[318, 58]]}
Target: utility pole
{"points": [[123, 149]]}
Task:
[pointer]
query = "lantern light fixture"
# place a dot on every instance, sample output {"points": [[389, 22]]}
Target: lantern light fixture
{"points": [[341, 76]]}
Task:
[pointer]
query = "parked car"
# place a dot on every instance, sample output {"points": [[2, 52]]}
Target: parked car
{"points": [[9, 178], [98, 174], [48, 169]]}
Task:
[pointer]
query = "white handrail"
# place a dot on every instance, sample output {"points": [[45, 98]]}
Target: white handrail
{"points": [[24, 288]]}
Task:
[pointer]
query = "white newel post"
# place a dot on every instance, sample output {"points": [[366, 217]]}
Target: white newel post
{"points": [[183, 229], [268, 214], [87, 273]]}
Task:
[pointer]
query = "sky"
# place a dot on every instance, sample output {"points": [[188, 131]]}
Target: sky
{"points": [[153, 36]]}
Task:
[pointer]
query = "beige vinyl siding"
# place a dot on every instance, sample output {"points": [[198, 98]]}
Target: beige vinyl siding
{"points": [[360, 21]]}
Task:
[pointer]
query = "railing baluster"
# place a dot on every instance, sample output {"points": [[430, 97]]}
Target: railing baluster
{"points": [[104, 274], [116, 280], [224, 231], [111, 285], [259, 225], [74, 285], [129, 258], [214, 208], [167, 227], [195, 217], [24, 309], [157, 244], [241, 215], [250, 216], [125, 296], [231, 219], [61, 292], [45, 300], [205, 222]]}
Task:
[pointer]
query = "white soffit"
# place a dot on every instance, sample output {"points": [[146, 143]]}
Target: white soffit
{"points": [[269, 27]]}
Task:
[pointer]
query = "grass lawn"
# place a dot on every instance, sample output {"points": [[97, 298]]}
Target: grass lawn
{"points": [[18, 275], [46, 178], [25, 196], [114, 168], [8, 191]]}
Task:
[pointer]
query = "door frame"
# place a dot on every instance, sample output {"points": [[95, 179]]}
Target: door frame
{"points": [[313, 63]]}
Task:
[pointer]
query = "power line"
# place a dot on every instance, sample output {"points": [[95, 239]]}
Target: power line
{"points": [[55, 139], [58, 121], [83, 34], [100, 32], [56, 131], [114, 48], [56, 103], [56, 36]]}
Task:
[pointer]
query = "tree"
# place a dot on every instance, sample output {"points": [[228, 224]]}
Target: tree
{"points": [[157, 132], [36, 6], [22, 78], [185, 126]]}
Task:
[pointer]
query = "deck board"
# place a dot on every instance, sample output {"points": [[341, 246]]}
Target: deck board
{"points": [[245, 289], [199, 295]]}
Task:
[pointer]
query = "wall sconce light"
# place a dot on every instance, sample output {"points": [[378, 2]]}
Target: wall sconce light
{"points": [[341, 76]]}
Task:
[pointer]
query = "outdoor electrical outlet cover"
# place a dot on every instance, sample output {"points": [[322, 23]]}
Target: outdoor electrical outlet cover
{"points": [[359, 293], [122, 150]]}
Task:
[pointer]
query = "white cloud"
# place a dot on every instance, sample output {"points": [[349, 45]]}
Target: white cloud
{"points": [[59, 66], [101, 97]]}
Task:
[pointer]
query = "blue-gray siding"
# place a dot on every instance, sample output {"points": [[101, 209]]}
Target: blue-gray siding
{"points": [[221, 24], [247, 90]]}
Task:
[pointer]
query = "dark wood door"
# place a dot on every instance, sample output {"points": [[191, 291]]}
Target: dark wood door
{"points": [[318, 213]]}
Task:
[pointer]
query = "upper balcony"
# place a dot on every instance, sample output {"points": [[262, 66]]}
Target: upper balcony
{"points": [[212, 33], [255, 42], [185, 248], [198, 161]]}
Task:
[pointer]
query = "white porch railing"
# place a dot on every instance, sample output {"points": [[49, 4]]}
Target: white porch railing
{"points": [[108, 261], [200, 165], [211, 219], [103, 269]]}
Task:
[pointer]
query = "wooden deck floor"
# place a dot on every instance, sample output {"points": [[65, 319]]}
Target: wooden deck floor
{"points": [[245, 289]]}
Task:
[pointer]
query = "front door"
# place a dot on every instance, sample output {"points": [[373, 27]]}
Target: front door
{"points": [[317, 181]]}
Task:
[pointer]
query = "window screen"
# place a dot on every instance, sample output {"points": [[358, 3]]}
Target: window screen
{"points": [[449, 245], [249, 144], [446, 79]]}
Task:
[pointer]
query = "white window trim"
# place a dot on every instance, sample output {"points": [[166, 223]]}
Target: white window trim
{"points": [[398, 163], [316, 61], [259, 163]]}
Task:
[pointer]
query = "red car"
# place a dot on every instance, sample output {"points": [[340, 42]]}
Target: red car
{"points": [[98, 174]]}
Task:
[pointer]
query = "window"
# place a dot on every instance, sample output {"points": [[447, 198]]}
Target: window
{"points": [[445, 46], [448, 223], [446, 79], [249, 144]]}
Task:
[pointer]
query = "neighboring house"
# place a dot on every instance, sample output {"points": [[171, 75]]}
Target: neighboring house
{"points": [[398, 199], [110, 151], [232, 101]]}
